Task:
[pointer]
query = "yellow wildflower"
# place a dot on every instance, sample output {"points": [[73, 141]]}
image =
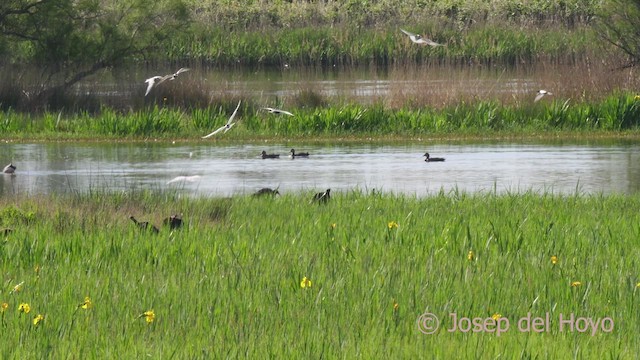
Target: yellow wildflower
{"points": [[149, 316], [392, 225], [496, 316], [396, 306], [38, 319], [554, 260], [87, 304], [333, 226], [637, 97], [305, 283], [637, 285], [471, 255], [4, 307], [576, 284], [24, 307]]}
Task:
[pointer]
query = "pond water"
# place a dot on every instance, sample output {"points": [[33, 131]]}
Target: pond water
{"points": [[399, 168]]}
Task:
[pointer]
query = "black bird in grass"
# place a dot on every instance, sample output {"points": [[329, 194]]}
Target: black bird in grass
{"points": [[269, 156], [266, 192], [322, 197], [6, 231], [145, 225], [431, 159], [174, 222], [294, 155]]}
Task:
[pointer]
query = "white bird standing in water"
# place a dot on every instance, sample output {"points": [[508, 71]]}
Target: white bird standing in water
{"points": [[9, 169], [418, 39], [541, 94], [157, 80], [278, 111], [228, 125]]}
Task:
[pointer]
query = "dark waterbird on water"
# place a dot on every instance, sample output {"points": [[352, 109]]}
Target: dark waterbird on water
{"points": [[294, 155], [144, 225], [322, 197], [431, 159], [9, 169], [173, 221], [266, 192], [269, 156]]}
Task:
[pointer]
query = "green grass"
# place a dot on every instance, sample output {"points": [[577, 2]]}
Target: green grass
{"points": [[228, 284], [617, 112]]}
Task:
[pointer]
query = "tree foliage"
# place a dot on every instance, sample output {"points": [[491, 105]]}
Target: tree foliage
{"points": [[73, 39], [620, 26]]}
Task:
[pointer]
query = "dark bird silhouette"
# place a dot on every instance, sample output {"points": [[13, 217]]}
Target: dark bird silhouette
{"points": [[322, 197], [174, 222], [9, 169], [266, 192], [145, 225], [6, 231], [269, 156], [294, 155], [431, 159]]}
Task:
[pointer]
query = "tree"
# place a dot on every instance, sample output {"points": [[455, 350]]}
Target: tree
{"points": [[73, 39], [619, 25]]}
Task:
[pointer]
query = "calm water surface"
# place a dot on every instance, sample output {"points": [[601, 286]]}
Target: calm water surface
{"points": [[399, 168]]}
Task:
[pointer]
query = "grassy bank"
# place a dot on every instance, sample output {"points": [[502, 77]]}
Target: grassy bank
{"points": [[366, 32], [229, 283], [618, 112]]}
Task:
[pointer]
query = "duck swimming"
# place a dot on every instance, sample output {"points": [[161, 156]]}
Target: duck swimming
{"points": [[9, 169], [294, 155], [269, 156], [431, 159]]}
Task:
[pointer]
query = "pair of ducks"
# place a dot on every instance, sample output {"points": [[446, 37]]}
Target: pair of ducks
{"points": [[292, 155]]}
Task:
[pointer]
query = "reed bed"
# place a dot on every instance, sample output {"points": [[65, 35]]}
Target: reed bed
{"points": [[618, 112], [349, 278]]}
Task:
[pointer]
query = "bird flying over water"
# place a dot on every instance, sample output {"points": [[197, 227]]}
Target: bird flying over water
{"points": [[157, 80], [418, 39], [175, 74], [541, 94], [278, 111], [228, 125]]}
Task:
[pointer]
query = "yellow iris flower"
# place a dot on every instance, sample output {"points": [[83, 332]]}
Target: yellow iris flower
{"points": [[24, 307], [305, 283]]}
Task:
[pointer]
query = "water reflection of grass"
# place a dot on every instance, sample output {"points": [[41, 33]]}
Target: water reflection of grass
{"points": [[246, 275]]}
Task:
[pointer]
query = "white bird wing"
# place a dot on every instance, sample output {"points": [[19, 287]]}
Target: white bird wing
{"points": [[228, 125], [286, 112], [181, 70], [150, 82], [408, 33], [234, 114], [539, 96], [215, 132]]}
